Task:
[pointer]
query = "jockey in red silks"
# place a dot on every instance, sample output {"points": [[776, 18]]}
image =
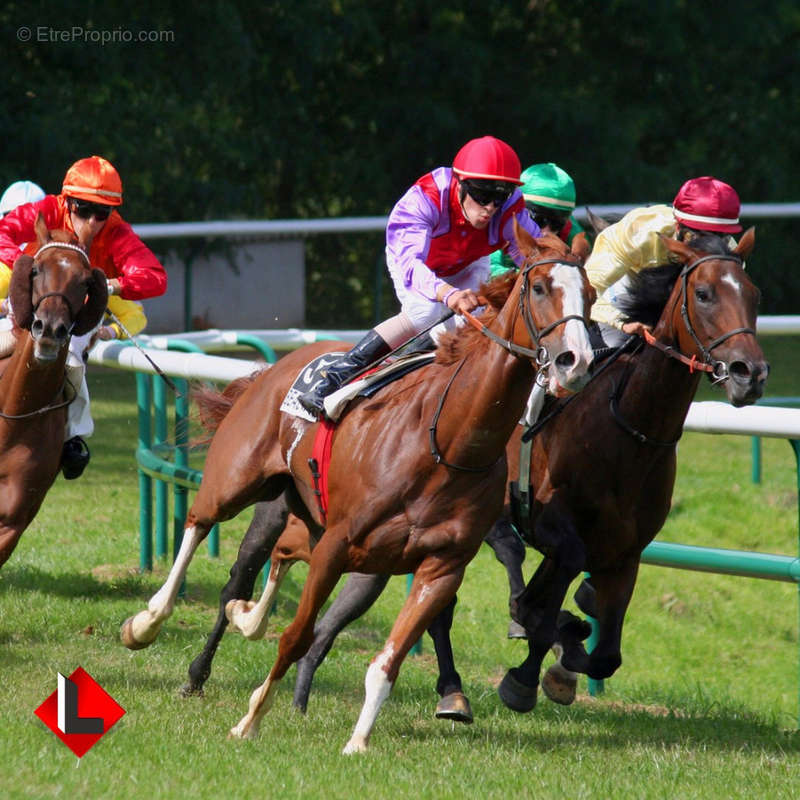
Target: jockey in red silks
{"points": [[90, 195], [438, 240]]}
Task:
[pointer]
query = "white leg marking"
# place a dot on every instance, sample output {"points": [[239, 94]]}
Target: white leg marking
{"points": [[376, 689], [251, 619], [145, 623], [260, 703]]}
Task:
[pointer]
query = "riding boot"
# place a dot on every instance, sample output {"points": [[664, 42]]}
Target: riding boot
{"points": [[74, 457], [371, 348]]}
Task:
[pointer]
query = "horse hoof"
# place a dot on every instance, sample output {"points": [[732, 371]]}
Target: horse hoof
{"points": [[455, 707], [559, 685], [517, 696], [128, 639], [187, 690], [516, 631]]}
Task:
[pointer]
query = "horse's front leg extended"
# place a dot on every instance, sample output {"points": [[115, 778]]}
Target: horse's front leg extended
{"points": [[430, 593], [141, 630]]}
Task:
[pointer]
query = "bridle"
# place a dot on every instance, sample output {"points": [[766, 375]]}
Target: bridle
{"points": [[538, 355], [717, 369], [64, 246]]}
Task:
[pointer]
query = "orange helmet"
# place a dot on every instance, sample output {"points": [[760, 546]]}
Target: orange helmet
{"points": [[488, 158], [93, 179]]}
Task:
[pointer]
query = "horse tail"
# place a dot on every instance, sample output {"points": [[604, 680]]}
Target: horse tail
{"points": [[213, 405]]}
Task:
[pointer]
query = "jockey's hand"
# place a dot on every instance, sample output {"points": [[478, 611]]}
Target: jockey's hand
{"points": [[636, 328], [106, 333], [463, 300]]}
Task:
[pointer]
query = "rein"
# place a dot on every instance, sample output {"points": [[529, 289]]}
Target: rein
{"points": [[539, 355], [46, 409]]}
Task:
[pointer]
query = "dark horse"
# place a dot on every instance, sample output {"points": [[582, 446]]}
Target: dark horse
{"points": [[602, 469], [53, 294], [417, 472]]}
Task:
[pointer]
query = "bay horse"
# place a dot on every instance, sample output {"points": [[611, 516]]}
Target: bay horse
{"points": [[54, 294], [417, 472], [602, 469]]}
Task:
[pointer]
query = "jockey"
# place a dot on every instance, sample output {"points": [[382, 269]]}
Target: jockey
{"points": [[549, 194], [90, 194], [625, 248], [438, 239]]}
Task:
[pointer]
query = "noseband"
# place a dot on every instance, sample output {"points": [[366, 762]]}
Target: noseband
{"points": [[718, 369], [63, 246]]}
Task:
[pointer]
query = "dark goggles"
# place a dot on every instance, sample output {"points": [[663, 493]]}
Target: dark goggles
{"points": [[547, 218], [486, 192], [86, 210]]}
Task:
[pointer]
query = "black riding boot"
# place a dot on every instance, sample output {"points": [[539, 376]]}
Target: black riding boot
{"points": [[74, 457], [367, 351]]}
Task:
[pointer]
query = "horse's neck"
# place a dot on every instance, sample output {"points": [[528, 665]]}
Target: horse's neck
{"points": [[658, 392], [483, 405], [28, 384]]}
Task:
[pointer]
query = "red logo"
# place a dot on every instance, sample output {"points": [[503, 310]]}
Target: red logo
{"points": [[80, 712]]}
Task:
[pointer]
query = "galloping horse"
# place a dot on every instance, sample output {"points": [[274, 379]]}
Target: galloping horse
{"points": [[602, 469], [53, 294], [417, 472]]}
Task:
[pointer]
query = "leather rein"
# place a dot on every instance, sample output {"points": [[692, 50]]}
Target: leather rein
{"points": [[539, 355]]}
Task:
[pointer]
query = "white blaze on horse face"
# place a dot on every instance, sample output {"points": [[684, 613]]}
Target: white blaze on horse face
{"points": [[737, 286], [575, 337]]}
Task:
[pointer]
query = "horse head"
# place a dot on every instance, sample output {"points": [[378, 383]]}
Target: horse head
{"points": [[56, 293], [712, 314], [555, 298]]}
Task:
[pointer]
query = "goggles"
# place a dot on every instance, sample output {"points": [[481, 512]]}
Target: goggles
{"points": [[547, 218], [488, 192], [85, 210]]}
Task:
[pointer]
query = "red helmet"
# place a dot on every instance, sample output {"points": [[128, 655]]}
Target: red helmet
{"points": [[93, 179], [707, 204], [488, 158]]}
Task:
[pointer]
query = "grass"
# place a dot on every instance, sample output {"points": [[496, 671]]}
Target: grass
{"points": [[705, 704]]}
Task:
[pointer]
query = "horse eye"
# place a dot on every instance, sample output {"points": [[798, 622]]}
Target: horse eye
{"points": [[538, 288], [702, 294]]}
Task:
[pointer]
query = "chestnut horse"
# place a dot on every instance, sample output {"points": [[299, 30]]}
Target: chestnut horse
{"points": [[417, 472], [53, 294], [600, 497]]}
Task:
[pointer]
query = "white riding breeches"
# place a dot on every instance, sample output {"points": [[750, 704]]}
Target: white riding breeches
{"points": [[79, 417]]}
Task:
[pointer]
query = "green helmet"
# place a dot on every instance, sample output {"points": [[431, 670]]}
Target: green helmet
{"points": [[549, 186]]}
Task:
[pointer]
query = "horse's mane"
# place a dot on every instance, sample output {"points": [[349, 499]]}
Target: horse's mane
{"points": [[453, 346], [647, 291]]}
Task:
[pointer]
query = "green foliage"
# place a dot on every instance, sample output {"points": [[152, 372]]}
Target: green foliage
{"points": [[325, 108]]}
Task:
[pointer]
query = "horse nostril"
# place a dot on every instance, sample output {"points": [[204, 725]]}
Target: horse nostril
{"points": [[37, 327], [740, 371], [61, 332], [566, 359]]}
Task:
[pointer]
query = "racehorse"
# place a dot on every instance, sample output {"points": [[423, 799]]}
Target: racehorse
{"points": [[417, 472], [599, 497], [54, 294]]}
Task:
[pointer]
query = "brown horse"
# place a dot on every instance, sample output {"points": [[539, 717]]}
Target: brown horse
{"points": [[53, 294], [599, 497], [417, 472]]}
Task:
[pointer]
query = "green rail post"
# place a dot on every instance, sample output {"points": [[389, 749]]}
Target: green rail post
{"points": [[795, 443], [416, 648], [143, 403], [159, 442]]}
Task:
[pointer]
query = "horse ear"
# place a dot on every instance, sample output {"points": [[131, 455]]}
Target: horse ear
{"points": [[40, 227], [92, 312], [525, 242], [597, 222], [580, 247], [20, 291], [746, 243], [679, 248]]}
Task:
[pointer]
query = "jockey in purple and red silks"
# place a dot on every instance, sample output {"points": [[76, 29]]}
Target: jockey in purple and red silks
{"points": [[438, 240]]}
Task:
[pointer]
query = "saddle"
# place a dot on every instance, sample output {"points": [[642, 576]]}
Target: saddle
{"points": [[363, 386]]}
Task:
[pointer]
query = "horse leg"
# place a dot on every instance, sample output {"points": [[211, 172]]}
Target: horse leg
{"points": [[510, 552], [328, 562], [269, 519], [453, 704], [9, 536], [427, 597], [614, 590], [358, 594]]}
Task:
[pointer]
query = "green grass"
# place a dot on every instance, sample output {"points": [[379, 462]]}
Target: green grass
{"points": [[705, 704]]}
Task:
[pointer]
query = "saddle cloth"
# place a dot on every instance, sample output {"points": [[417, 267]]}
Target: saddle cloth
{"points": [[364, 386]]}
